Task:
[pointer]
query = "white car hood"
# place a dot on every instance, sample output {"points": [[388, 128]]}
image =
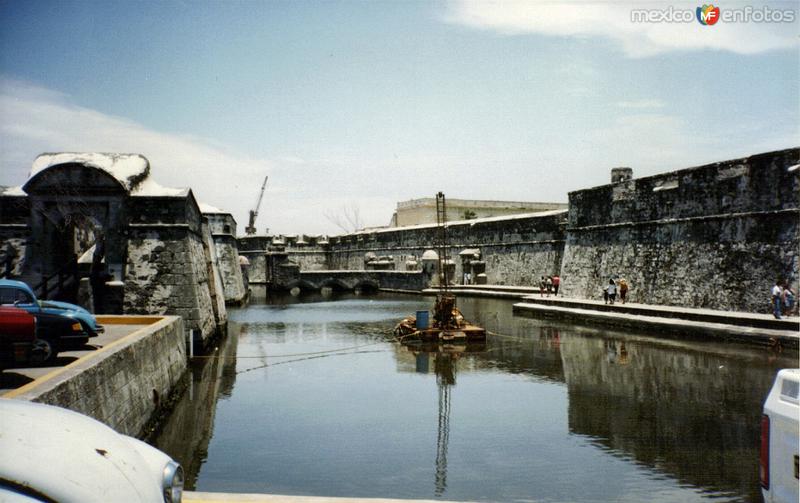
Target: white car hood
{"points": [[71, 457]]}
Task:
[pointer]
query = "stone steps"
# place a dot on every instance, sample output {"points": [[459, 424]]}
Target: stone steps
{"points": [[654, 324], [755, 320]]}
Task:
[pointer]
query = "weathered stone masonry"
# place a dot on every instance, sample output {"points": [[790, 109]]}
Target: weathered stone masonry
{"points": [[516, 249], [223, 231], [166, 270], [147, 249], [714, 236]]}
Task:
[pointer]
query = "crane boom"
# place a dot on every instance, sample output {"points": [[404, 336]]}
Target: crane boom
{"points": [[251, 227]]}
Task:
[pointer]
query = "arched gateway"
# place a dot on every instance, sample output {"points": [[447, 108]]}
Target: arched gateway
{"points": [[142, 248]]}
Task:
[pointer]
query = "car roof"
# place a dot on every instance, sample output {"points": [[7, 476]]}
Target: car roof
{"points": [[13, 282], [70, 457]]}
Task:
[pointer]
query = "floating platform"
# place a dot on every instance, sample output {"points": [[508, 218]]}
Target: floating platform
{"points": [[407, 330]]}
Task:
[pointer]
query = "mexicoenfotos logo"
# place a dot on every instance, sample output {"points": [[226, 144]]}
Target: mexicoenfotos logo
{"points": [[708, 15]]}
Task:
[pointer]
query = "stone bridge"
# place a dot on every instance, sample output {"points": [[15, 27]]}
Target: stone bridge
{"points": [[359, 280]]}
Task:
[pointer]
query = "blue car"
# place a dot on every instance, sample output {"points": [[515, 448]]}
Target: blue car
{"points": [[84, 326]]}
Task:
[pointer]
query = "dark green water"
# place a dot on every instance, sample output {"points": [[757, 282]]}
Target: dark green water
{"points": [[312, 398]]}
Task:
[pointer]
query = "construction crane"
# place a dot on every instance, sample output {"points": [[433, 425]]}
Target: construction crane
{"points": [[251, 227]]}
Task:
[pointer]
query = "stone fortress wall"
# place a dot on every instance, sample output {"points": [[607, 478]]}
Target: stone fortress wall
{"points": [[146, 249], [166, 271], [516, 249], [714, 236], [223, 231]]}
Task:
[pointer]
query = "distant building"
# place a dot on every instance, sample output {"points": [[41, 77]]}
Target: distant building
{"points": [[423, 211]]}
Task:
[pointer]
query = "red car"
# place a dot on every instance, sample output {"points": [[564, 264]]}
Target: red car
{"points": [[18, 340]]}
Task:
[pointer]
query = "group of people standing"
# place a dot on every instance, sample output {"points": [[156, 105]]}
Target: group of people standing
{"points": [[610, 291], [783, 299], [548, 285]]}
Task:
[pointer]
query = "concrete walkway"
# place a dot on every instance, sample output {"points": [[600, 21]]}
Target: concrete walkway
{"points": [[488, 291], [15, 375], [755, 328], [200, 497]]}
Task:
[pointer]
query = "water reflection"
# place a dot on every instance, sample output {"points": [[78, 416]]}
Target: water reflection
{"points": [[688, 413], [445, 378], [542, 411], [186, 434], [445, 357]]}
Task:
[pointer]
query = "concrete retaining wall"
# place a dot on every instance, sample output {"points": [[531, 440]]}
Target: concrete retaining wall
{"points": [[123, 383]]}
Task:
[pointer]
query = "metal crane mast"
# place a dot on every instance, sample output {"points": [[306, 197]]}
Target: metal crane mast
{"points": [[441, 221], [251, 227]]}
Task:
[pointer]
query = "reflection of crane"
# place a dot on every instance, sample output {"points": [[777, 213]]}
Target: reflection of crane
{"points": [[445, 378], [251, 227]]}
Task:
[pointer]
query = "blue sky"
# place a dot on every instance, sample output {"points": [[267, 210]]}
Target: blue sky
{"points": [[364, 104]]}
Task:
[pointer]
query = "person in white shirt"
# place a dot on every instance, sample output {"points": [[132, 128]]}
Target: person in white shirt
{"points": [[777, 295], [612, 290]]}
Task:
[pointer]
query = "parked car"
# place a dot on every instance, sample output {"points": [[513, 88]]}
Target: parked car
{"points": [[36, 337], [780, 423], [19, 294], [17, 334], [54, 454]]}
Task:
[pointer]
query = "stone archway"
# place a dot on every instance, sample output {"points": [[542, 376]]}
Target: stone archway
{"points": [[76, 210]]}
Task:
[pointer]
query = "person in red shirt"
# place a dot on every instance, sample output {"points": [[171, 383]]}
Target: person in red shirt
{"points": [[556, 282]]}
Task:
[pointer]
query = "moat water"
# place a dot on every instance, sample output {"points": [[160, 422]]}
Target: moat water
{"points": [[311, 396]]}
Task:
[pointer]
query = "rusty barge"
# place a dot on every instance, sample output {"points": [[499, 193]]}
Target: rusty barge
{"points": [[448, 324]]}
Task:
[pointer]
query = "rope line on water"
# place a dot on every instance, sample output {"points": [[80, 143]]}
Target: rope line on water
{"points": [[306, 358], [237, 357]]}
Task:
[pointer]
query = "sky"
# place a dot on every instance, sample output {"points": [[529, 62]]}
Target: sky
{"points": [[358, 105]]}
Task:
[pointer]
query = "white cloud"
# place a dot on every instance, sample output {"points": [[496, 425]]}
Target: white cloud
{"points": [[34, 120], [613, 20], [303, 188], [641, 104]]}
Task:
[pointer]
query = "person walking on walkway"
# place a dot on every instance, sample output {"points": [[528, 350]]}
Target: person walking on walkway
{"points": [[542, 286], [787, 299], [549, 283], [612, 290], [556, 282], [623, 289], [777, 296]]}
